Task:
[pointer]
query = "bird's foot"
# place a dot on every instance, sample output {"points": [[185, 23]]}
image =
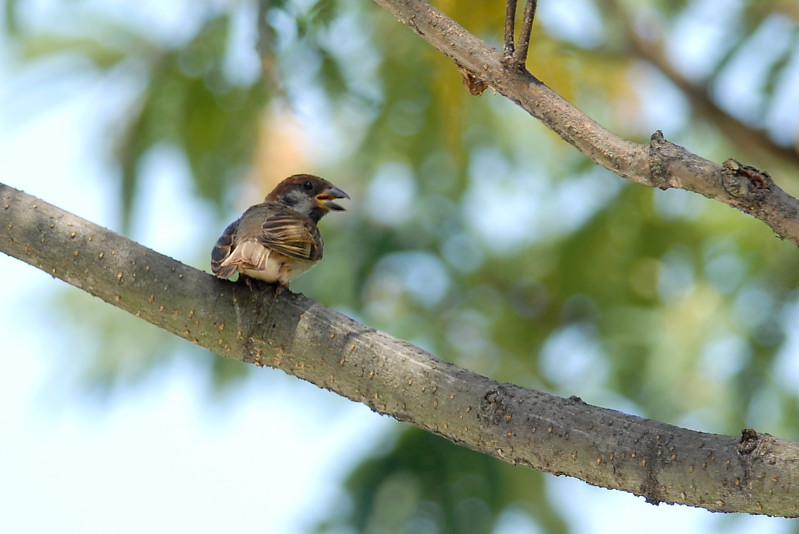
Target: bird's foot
{"points": [[259, 285], [249, 282]]}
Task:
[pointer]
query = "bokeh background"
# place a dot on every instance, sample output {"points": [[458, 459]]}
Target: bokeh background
{"points": [[473, 232]]}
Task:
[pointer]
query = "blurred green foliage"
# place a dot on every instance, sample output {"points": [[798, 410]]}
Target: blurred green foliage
{"points": [[478, 234], [190, 103]]}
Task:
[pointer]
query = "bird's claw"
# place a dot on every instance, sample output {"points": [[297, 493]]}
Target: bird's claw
{"points": [[249, 282], [258, 285]]}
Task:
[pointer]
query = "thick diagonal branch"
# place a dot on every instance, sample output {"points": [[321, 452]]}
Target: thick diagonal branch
{"points": [[755, 473], [658, 164]]}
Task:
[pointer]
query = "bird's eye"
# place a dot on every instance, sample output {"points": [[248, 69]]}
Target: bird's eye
{"points": [[307, 185]]}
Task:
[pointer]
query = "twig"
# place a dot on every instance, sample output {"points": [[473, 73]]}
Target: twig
{"points": [[516, 56], [520, 55], [510, 24]]}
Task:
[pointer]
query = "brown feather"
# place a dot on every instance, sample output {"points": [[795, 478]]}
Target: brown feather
{"points": [[292, 235], [222, 249]]}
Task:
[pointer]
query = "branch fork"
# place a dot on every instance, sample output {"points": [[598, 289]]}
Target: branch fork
{"points": [[515, 55]]}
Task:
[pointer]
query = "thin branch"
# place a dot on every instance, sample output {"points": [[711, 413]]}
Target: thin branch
{"points": [[265, 33], [516, 55], [266, 37], [750, 140], [510, 25], [523, 44], [658, 164], [754, 473]]}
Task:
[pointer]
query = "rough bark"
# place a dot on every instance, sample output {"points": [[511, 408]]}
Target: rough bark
{"points": [[658, 164], [754, 473]]}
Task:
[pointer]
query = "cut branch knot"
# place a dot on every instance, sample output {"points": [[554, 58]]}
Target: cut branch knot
{"points": [[475, 85], [749, 441], [744, 181], [493, 406], [659, 156]]}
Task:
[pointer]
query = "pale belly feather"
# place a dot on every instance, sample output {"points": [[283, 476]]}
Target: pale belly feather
{"points": [[277, 269]]}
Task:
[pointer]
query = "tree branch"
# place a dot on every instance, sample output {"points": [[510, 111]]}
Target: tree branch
{"points": [[658, 164], [755, 473], [751, 141]]}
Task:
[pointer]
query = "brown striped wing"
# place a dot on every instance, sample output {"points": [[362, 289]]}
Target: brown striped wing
{"points": [[291, 234]]}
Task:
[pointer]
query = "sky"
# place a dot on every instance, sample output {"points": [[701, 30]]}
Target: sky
{"points": [[165, 454]]}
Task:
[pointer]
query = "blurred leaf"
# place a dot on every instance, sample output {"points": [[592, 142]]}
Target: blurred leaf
{"points": [[779, 68], [12, 24], [190, 103], [323, 12], [41, 46]]}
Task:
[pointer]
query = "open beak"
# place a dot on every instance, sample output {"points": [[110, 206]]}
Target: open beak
{"points": [[325, 198]]}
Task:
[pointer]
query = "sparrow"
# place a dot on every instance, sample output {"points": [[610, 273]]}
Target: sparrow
{"points": [[278, 240]]}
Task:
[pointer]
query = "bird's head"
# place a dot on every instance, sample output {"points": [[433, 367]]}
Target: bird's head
{"points": [[307, 194]]}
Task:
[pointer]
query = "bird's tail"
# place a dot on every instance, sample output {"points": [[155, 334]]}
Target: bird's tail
{"points": [[222, 250]]}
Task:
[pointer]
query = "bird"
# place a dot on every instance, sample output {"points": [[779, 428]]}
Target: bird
{"points": [[278, 240]]}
